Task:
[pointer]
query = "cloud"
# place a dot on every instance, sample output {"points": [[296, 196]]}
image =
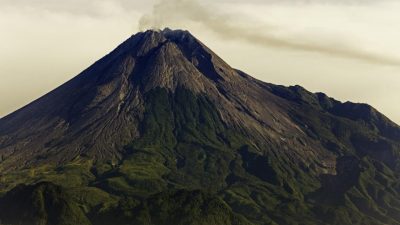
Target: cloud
{"points": [[88, 8], [177, 12], [331, 2]]}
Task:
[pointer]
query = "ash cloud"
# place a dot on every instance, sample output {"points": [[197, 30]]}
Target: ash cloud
{"points": [[303, 2], [225, 25]]}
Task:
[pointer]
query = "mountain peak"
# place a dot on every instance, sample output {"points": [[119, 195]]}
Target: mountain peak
{"points": [[143, 42], [169, 47], [177, 34], [111, 90], [98, 112], [162, 112], [169, 33]]}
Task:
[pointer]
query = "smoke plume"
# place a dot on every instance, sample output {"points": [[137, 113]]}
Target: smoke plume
{"points": [[226, 26]]}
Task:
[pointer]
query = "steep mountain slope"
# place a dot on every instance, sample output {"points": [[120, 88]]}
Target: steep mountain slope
{"points": [[163, 131]]}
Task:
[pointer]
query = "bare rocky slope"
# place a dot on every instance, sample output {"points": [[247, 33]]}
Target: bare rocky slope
{"points": [[162, 120]]}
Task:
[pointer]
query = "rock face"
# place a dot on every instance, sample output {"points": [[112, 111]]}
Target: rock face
{"points": [[162, 116], [98, 112]]}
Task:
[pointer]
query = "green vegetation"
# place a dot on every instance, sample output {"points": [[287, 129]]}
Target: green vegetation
{"points": [[190, 168]]}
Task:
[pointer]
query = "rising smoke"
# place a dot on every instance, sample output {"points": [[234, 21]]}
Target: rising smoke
{"points": [[226, 26]]}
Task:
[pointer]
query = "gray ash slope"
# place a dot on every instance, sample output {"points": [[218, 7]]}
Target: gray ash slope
{"points": [[98, 112], [286, 151]]}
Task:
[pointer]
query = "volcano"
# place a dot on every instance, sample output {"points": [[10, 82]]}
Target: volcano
{"points": [[163, 131]]}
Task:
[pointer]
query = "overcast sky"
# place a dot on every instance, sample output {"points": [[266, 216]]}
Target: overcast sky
{"points": [[348, 49]]}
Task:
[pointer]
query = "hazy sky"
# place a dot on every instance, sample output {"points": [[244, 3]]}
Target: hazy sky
{"points": [[348, 49]]}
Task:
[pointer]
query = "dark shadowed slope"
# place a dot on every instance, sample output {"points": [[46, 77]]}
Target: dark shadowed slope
{"points": [[163, 131]]}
